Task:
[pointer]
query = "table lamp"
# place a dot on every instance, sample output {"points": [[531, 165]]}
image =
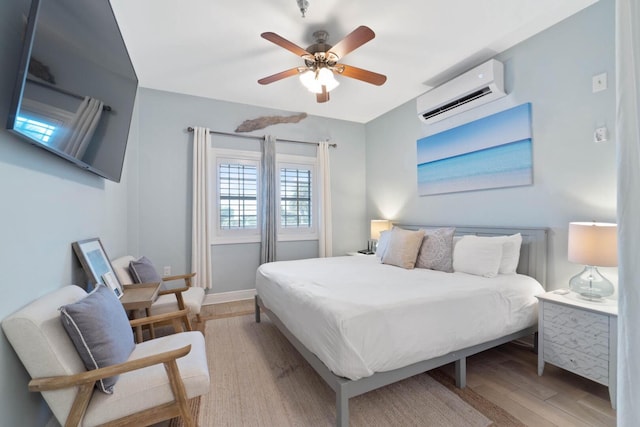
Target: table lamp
{"points": [[594, 244]]}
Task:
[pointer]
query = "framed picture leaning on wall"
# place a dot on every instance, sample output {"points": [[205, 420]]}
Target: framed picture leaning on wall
{"points": [[96, 264]]}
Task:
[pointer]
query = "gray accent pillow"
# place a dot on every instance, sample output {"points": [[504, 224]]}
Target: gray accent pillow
{"points": [[436, 252], [100, 331], [143, 271]]}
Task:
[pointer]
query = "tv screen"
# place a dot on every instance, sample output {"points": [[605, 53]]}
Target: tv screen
{"points": [[76, 85]]}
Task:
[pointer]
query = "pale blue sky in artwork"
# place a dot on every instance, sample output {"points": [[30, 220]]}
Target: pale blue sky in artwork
{"points": [[498, 129]]}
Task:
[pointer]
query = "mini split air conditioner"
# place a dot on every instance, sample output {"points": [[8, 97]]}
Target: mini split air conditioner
{"points": [[478, 86]]}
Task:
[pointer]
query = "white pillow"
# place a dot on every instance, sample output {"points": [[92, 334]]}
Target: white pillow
{"points": [[510, 252], [477, 255], [403, 248], [383, 243]]}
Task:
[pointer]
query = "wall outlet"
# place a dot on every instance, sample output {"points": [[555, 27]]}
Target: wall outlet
{"points": [[166, 270]]}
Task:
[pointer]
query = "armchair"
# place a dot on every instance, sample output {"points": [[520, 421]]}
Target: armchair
{"points": [[170, 298], [154, 383]]}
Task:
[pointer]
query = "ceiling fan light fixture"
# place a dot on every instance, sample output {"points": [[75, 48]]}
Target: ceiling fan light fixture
{"points": [[308, 80], [314, 80], [326, 78], [318, 74]]}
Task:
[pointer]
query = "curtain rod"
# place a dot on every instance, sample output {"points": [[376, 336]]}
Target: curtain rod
{"points": [[105, 107], [190, 129]]}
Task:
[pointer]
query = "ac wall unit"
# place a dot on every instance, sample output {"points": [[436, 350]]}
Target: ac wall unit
{"points": [[478, 86]]}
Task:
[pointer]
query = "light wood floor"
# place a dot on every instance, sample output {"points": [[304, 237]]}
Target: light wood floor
{"points": [[507, 376]]}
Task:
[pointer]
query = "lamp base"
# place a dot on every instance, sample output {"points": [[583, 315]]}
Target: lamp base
{"points": [[591, 285], [591, 297]]}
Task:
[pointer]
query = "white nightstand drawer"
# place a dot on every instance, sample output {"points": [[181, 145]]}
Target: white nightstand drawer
{"points": [[590, 367], [576, 319], [594, 343]]}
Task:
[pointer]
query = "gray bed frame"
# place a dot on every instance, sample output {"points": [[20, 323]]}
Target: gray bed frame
{"points": [[533, 262]]}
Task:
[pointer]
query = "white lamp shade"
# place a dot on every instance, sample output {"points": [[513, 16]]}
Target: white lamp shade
{"points": [[326, 78], [314, 80], [378, 226], [308, 79], [593, 243]]}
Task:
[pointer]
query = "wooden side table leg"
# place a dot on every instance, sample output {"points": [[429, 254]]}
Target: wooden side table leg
{"points": [[152, 331]]}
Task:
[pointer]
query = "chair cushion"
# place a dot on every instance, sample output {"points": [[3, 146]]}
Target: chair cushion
{"points": [[100, 331], [145, 388], [44, 348], [121, 268], [192, 298], [143, 271]]}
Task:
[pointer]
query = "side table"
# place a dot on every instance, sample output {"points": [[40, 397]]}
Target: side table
{"points": [[580, 336], [139, 297]]}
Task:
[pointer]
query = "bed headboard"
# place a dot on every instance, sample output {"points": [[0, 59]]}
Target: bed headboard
{"points": [[533, 252]]}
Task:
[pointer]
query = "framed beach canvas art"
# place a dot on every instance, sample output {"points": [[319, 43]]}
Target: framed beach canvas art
{"points": [[491, 152]]}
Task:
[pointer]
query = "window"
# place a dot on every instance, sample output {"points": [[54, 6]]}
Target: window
{"points": [[238, 196], [236, 200], [297, 196], [236, 190]]}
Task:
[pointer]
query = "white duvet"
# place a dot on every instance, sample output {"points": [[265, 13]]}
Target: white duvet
{"points": [[360, 317]]}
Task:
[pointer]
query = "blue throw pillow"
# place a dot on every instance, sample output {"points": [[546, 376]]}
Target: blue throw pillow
{"points": [[100, 331], [142, 271]]}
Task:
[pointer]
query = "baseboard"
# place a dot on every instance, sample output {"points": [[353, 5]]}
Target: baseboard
{"points": [[228, 296]]}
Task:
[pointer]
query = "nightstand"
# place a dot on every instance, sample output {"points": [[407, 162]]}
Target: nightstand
{"points": [[579, 336]]}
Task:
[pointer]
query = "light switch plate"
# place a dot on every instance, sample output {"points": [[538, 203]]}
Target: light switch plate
{"points": [[600, 135], [599, 82]]}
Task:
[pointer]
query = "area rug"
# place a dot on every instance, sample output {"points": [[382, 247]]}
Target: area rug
{"points": [[259, 379]]}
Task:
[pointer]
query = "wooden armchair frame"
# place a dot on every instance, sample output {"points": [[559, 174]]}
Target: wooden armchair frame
{"points": [[85, 381], [172, 296], [178, 291]]}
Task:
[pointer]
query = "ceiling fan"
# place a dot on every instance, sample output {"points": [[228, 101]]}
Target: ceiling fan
{"points": [[321, 62]]}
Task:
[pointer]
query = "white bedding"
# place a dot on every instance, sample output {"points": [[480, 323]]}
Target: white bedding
{"points": [[360, 317]]}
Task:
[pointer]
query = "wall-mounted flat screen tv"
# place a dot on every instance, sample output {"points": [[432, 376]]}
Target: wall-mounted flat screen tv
{"points": [[76, 85]]}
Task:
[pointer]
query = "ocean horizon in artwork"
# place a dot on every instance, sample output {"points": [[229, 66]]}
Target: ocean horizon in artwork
{"points": [[492, 152]]}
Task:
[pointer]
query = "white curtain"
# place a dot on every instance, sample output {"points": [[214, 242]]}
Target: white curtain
{"points": [[269, 197], [80, 129], [628, 155], [201, 215], [325, 228]]}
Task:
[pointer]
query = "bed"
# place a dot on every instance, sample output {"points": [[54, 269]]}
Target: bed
{"points": [[339, 314]]}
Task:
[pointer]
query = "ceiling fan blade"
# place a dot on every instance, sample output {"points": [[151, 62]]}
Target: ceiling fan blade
{"points": [[279, 76], [282, 42], [322, 96], [360, 74], [352, 41]]}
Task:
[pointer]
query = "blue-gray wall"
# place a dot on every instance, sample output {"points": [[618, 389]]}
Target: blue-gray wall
{"points": [[574, 177], [47, 203], [163, 217]]}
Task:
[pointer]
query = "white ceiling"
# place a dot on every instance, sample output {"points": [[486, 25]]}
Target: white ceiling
{"points": [[213, 48]]}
